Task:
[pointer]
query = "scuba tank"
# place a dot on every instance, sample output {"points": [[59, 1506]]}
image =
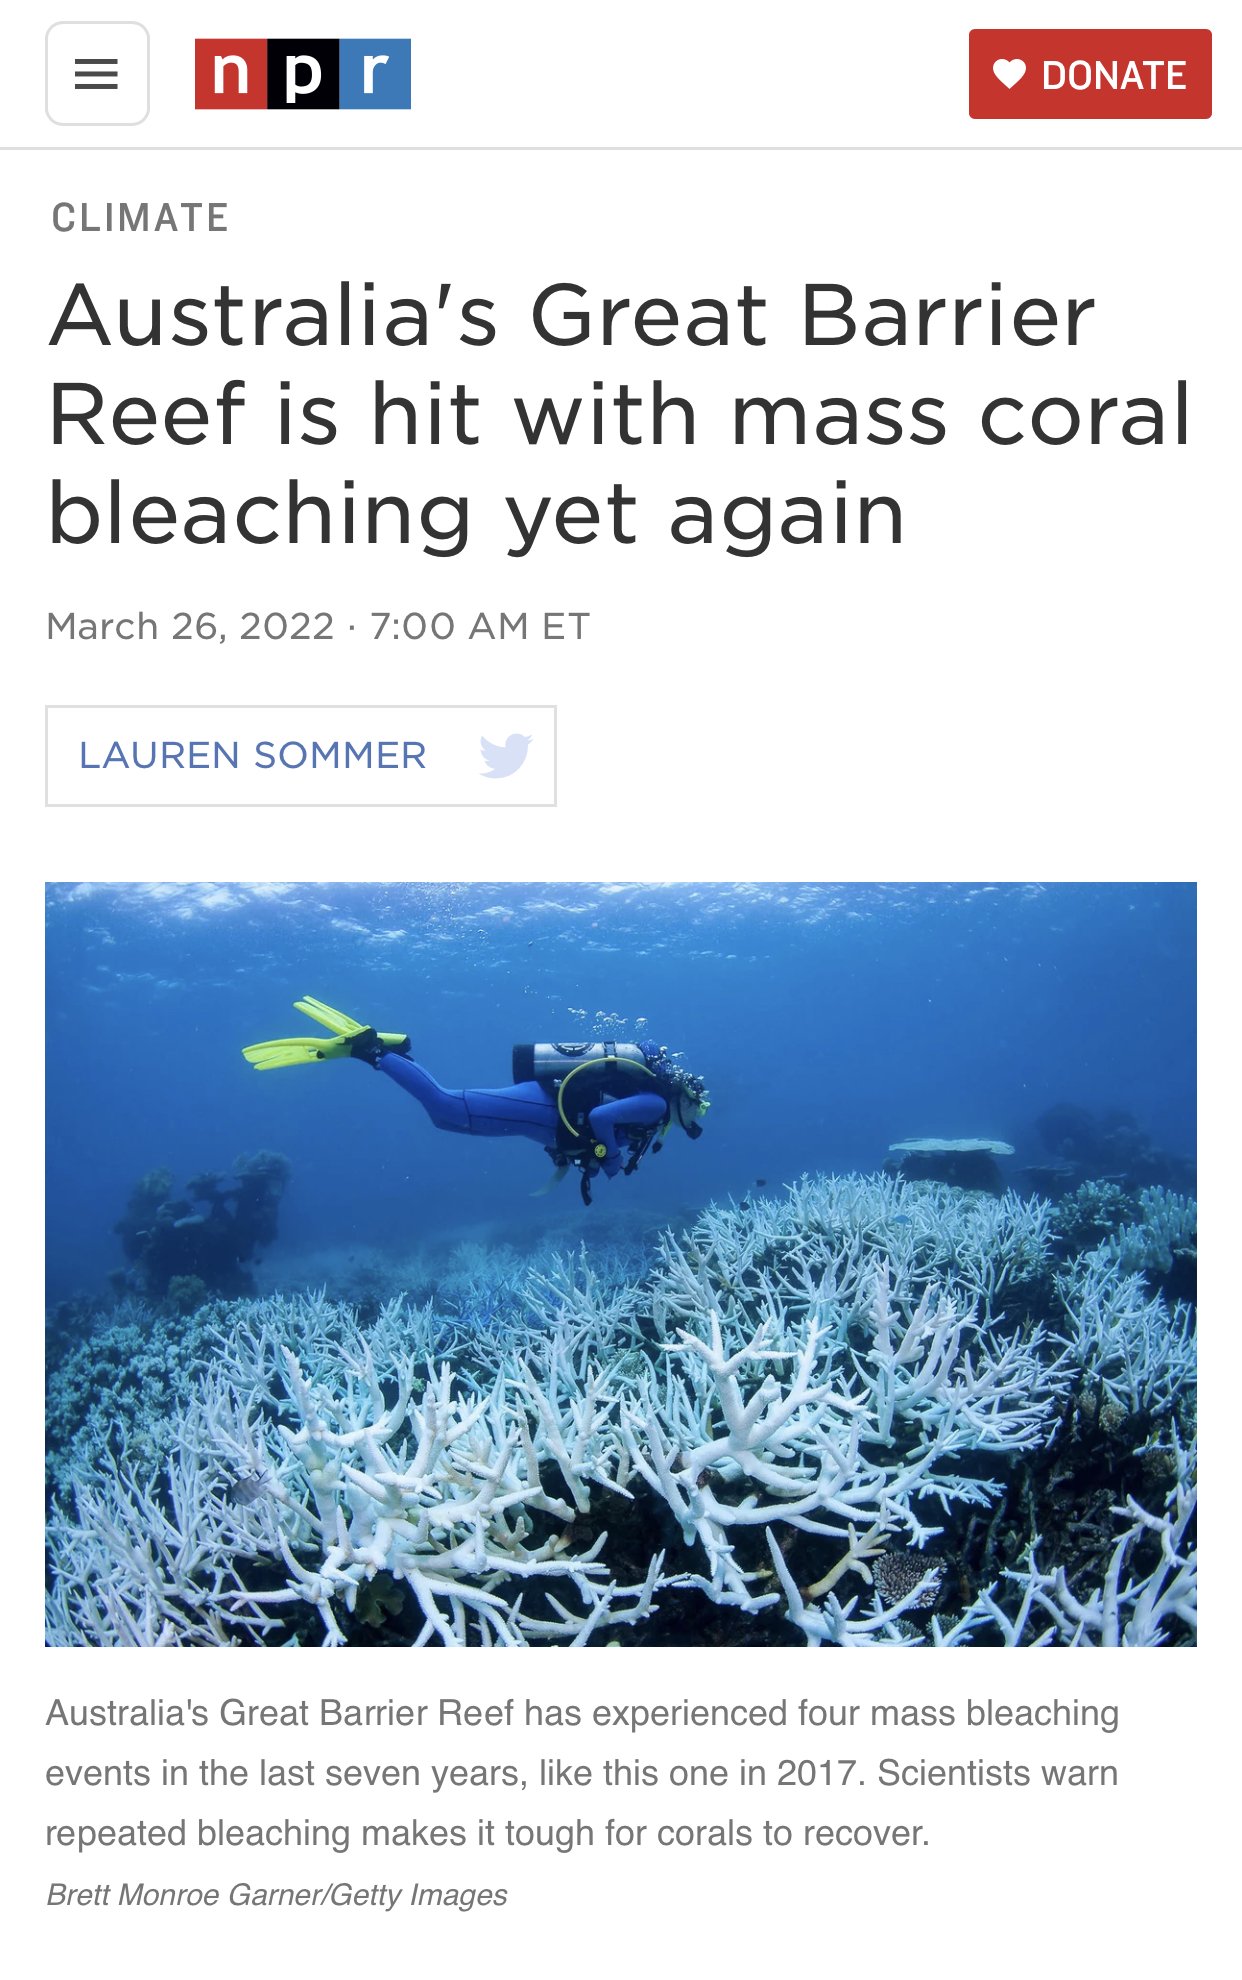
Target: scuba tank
{"points": [[553, 1062], [580, 1075]]}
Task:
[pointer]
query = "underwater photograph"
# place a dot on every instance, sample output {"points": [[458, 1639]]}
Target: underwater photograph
{"points": [[621, 1264]]}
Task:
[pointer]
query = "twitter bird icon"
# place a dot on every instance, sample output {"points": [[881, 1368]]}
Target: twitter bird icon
{"points": [[502, 759]]}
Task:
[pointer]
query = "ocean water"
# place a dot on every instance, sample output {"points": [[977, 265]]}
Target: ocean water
{"points": [[827, 1020]]}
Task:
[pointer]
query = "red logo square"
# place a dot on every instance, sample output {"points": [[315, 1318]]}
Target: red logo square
{"points": [[230, 75]]}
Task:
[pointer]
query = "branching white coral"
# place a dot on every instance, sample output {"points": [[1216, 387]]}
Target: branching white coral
{"points": [[808, 1379], [441, 1490], [1126, 1340], [818, 1422], [833, 1228], [1131, 1612], [1165, 1230]]}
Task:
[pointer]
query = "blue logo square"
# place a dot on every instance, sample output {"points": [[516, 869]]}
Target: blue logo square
{"points": [[375, 75]]}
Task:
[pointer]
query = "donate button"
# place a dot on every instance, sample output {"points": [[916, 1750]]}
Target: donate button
{"points": [[1090, 73], [461, 755]]}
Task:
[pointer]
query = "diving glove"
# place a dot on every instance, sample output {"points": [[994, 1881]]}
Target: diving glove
{"points": [[349, 1040]]}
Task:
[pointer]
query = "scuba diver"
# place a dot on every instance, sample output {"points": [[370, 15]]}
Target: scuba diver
{"points": [[597, 1108]]}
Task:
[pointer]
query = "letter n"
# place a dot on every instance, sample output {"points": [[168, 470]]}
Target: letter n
{"points": [[230, 75]]}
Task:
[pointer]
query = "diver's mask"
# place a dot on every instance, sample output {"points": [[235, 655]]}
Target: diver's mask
{"points": [[686, 1112]]}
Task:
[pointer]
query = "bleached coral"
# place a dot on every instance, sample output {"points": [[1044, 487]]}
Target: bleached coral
{"points": [[438, 1484], [122, 1384], [800, 1385], [1165, 1230], [981, 1246], [1092, 1212], [1126, 1340], [1136, 1612]]}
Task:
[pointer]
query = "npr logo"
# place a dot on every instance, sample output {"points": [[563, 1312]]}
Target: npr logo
{"points": [[301, 75]]}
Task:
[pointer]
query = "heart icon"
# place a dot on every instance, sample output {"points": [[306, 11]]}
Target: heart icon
{"points": [[1009, 73]]}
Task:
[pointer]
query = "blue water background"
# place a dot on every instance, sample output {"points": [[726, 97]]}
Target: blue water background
{"points": [[828, 1021]]}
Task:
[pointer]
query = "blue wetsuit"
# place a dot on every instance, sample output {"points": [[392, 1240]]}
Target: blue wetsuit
{"points": [[528, 1109]]}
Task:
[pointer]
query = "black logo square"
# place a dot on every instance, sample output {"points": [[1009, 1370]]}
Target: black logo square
{"points": [[303, 75]]}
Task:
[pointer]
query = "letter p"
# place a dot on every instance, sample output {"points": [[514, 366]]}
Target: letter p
{"points": [[309, 73], [294, 67]]}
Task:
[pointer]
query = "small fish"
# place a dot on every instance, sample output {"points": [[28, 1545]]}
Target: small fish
{"points": [[901, 1218], [761, 1182], [244, 1491]]}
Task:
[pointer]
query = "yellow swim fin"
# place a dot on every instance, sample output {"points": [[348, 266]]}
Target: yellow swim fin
{"points": [[336, 1021], [274, 1052], [346, 1032]]}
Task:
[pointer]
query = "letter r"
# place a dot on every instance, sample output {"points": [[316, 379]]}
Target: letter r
{"points": [[375, 75]]}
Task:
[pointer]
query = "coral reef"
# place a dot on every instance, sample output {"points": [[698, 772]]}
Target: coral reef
{"points": [[478, 1281], [122, 1385], [1152, 1231], [969, 1164], [864, 1411], [1163, 1231], [1083, 1146], [1093, 1212], [183, 1248]]}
